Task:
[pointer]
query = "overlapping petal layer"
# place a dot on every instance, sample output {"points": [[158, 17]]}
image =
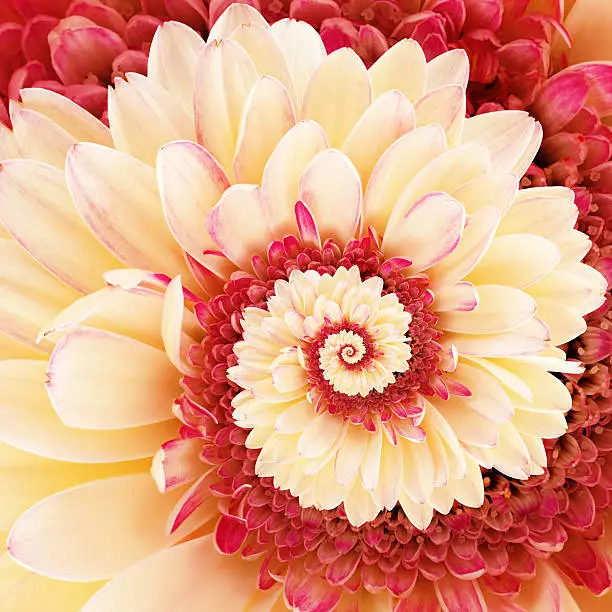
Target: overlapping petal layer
{"points": [[290, 169]]}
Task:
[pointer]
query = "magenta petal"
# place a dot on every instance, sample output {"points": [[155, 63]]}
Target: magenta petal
{"points": [[560, 99], [190, 12], [77, 53], [307, 226], [314, 11], [34, 39], [99, 13], [230, 534]]}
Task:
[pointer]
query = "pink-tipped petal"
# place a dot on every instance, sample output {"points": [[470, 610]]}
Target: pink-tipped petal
{"points": [[338, 94], [307, 226], [444, 106], [101, 380], [190, 182], [330, 186], [429, 232], [237, 225]]}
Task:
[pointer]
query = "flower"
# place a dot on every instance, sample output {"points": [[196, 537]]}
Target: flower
{"points": [[329, 314]]}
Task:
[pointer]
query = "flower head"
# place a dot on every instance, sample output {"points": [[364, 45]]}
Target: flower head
{"points": [[329, 312]]}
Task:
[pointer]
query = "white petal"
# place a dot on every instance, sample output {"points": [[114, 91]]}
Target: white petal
{"points": [[143, 116], [402, 67], [446, 107], [32, 190], [101, 380], [506, 134], [191, 182], [428, 232], [499, 309], [224, 79], [516, 260], [233, 17], [268, 115], [398, 165], [331, 188], [386, 120], [94, 530], [30, 423], [118, 198], [281, 176], [173, 59], [450, 68], [237, 224], [66, 114], [338, 94], [304, 53], [182, 578]]}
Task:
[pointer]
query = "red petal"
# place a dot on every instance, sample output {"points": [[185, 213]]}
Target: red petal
{"points": [[230, 534]]}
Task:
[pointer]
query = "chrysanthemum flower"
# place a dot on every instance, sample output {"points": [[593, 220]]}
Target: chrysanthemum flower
{"points": [[330, 315]]}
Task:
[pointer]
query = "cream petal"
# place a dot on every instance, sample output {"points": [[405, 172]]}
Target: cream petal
{"points": [[499, 309], [469, 426], [101, 380], [30, 423], [488, 397], [418, 469], [338, 94], [181, 577], [540, 424], [173, 60], [93, 531], [38, 137], [281, 176], [177, 462], [402, 67], [268, 115], [419, 515], [29, 296], [571, 291], [265, 54], [495, 188], [386, 120], [444, 106], [143, 116], [25, 485], [118, 198], [524, 161], [8, 143], [350, 455], [190, 182], [80, 124], [224, 78], [32, 190], [547, 212], [477, 237], [331, 187], [510, 456], [428, 232], [398, 165], [525, 341], [446, 173], [319, 435], [14, 349], [517, 260], [460, 297], [233, 17], [134, 312], [304, 53], [564, 323], [237, 224], [506, 135], [33, 592], [176, 340], [450, 68]]}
